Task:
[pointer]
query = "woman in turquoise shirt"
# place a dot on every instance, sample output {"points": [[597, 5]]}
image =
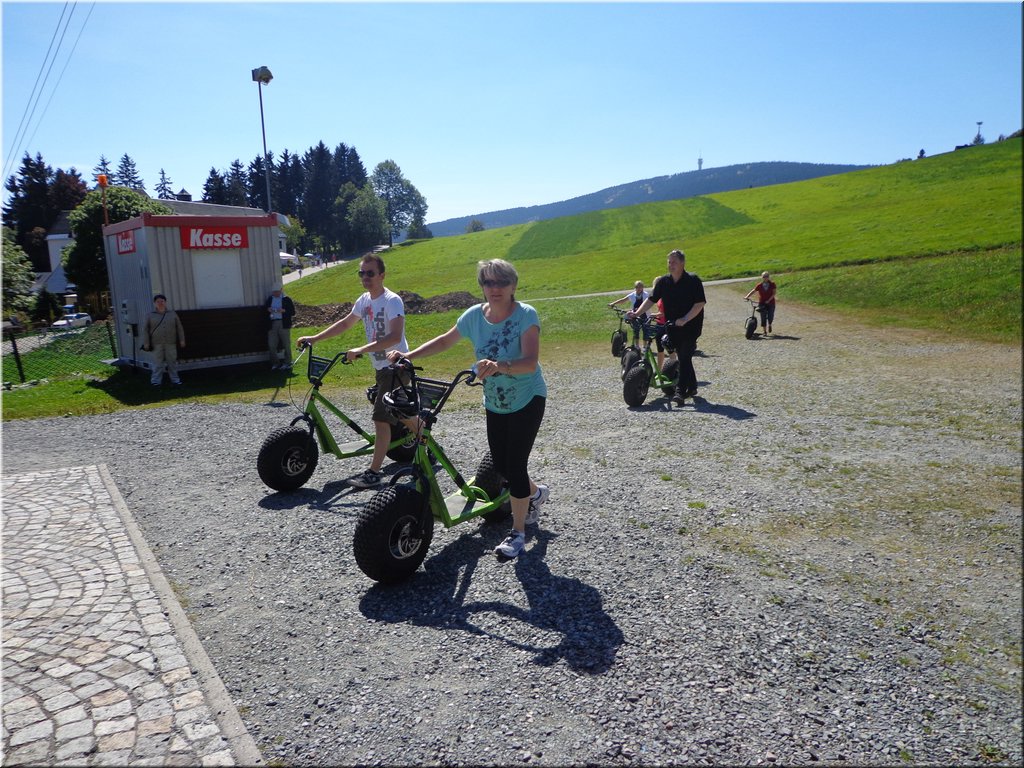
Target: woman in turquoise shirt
{"points": [[505, 335]]}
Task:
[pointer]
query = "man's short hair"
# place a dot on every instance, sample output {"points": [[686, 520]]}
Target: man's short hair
{"points": [[678, 254], [376, 258]]}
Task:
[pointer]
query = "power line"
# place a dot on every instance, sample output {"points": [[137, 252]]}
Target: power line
{"points": [[61, 75], [26, 116]]}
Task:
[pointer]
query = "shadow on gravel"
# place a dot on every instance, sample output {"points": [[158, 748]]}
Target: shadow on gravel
{"points": [[698, 404], [435, 597], [336, 493], [774, 337]]}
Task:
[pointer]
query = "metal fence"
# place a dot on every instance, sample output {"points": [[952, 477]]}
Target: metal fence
{"points": [[50, 354]]}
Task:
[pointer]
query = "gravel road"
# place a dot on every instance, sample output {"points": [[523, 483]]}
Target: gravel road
{"points": [[818, 562]]}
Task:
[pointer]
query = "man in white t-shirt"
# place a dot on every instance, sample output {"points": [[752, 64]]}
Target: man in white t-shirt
{"points": [[383, 315]]}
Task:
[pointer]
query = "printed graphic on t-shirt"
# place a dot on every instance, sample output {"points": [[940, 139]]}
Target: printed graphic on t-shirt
{"points": [[379, 325], [501, 344]]}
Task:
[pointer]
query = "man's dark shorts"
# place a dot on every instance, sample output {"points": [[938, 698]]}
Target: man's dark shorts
{"points": [[385, 383]]}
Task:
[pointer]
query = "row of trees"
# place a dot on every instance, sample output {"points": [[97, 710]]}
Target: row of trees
{"points": [[341, 208], [334, 206]]}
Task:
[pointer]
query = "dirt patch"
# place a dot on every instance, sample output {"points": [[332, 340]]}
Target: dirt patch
{"points": [[325, 314]]}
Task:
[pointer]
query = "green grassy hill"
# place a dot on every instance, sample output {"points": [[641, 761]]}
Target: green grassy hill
{"points": [[952, 221], [933, 244]]}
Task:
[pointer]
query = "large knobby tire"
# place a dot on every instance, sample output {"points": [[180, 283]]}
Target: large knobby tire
{"points": [[403, 452], [670, 369], [751, 327], [636, 385], [287, 458], [618, 343], [388, 543], [490, 481], [630, 358]]}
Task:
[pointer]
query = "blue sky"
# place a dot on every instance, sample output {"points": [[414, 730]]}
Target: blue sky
{"points": [[487, 106]]}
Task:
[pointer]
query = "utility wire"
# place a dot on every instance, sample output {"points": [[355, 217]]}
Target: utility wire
{"points": [[61, 75], [26, 116]]}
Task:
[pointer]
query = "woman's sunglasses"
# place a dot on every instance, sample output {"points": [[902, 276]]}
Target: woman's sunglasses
{"points": [[495, 283]]}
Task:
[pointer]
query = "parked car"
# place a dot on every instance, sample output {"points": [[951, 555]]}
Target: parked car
{"points": [[72, 320]]}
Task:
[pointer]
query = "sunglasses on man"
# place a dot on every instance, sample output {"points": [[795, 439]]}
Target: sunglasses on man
{"points": [[367, 273]]}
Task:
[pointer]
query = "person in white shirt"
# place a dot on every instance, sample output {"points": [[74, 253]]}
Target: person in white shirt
{"points": [[635, 299], [383, 314]]}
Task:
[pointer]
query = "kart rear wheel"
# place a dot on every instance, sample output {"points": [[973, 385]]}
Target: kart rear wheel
{"points": [[618, 343], [751, 327], [403, 452], [489, 480], [630, 357], [393, 533], [671, 370], [636, 385], [287, 458]]}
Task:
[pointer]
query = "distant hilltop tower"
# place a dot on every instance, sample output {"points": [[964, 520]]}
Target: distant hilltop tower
{"points": [[700, 161]]}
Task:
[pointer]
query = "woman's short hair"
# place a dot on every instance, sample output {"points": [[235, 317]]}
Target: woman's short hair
{"points": [[496, 269], [638, 284]]}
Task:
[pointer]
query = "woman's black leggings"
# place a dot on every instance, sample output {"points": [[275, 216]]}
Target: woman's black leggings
{"points": [[510, 437]]}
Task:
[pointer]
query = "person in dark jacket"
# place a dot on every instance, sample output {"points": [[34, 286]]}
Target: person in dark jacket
{"points": [[682, 294], [280, 311]]}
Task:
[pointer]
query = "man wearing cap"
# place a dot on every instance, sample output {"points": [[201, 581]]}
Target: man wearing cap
{"points": [[162, 334], [280, 310]]}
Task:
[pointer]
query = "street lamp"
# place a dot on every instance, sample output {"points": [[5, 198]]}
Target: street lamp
{"points": [[262, 76]]}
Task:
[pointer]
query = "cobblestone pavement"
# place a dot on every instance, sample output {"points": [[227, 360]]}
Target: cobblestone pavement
{"points": [[100, 663]]}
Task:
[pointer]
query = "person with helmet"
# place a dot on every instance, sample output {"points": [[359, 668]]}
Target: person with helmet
{"points": [[383, 314], [765, 301], [505, 334], [682, 294]]}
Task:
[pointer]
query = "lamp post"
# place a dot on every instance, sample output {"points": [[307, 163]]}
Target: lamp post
{"points": [[261, 76]]}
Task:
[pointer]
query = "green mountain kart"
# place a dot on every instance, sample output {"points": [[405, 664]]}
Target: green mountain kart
{"points": [[632, 354], [644, 373], [619, 336], [289, 454], [395, 528]]}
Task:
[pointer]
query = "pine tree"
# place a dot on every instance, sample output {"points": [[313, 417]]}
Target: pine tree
{"points": [[236, 190], [320, 191], [215, 189], [257, 184], [128, 174], [29, 211], [103, 166], [164, 188]]}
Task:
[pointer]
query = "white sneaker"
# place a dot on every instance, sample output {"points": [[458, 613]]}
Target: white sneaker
{"points": [[533, 516], [512, 546]]}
